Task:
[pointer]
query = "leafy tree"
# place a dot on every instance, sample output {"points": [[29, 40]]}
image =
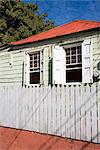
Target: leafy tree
{"points": [[20, 20]]}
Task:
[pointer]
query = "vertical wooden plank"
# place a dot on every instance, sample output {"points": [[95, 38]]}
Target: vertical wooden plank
{"points": [[45, 109], [41, 108], [24, 106], [11, 108], [29, 109], [22, 101], [6, 104], [78, 111], [72, 112], [94, 114], [98, 113], [58, 98], [67, 121], [63, 122], [37, 108], [53, 110], [27, 125], [33, 108], [83, 114], [47, 105], [2, 100], [59, 111], [88, 113], [39, 115], [16, 105], [19, 90], [49, 110], [50, 114]]}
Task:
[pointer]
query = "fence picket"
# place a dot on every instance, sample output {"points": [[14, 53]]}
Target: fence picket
{"points": [[94, 114], [78, 111], [33, 108], [72, 113], [83, 114], [53, 110], [49, 110], [98, 117], [88, 113], [41, 109], [58, 97], [67, 112]]}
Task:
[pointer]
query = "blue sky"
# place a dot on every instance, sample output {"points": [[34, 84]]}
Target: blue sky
{"points": [[63, 11]]}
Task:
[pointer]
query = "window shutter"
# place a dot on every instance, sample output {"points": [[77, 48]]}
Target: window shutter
{"points": [[87, 71], [59, 65], [27, 66]]}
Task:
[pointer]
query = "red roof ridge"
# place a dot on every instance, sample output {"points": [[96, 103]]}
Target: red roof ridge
{"points": [[65, 29]]}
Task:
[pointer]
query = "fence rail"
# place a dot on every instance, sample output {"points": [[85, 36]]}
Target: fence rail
{"points": [[71, 111]]}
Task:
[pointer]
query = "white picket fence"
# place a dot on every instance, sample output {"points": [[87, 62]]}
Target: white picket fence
{"points": [[71, 111]]}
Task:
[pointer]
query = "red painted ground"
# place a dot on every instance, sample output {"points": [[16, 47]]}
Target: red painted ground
{"points": [[12, 139]]}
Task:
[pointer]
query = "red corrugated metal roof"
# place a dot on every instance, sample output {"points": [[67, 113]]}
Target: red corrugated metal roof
{"points": [[69, 28]]}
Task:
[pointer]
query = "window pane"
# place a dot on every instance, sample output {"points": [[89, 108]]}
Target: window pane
{"points": [[79, 58], [34, 78], [31, 57], [68, 51], [31, 64], [73, 51], [31, 69], [73, 59], [39, 62], [74, 75], [35, 63], [67, 60], [78, 49], [35, 68], [35, 56]]}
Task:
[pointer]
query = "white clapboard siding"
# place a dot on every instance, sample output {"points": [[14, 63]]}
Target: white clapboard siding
{"points": [[67, 111], [87, 71], [10, 69], [59, 65]]}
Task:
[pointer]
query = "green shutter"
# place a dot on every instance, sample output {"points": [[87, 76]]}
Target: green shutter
{"points": [[50, 72]]}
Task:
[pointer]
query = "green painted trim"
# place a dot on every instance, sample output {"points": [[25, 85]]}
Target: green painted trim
{"points": [[65, 44], [50, 71]]}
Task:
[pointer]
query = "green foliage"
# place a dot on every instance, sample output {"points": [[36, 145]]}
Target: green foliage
{"points": [[19, 20]]}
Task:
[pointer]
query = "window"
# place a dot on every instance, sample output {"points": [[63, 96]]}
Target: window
{"points": [[34, 70], [73, 64]]}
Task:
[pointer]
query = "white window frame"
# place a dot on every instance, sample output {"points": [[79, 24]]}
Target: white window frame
{"points": [[76, 55], [28, 68], [71, 64]]}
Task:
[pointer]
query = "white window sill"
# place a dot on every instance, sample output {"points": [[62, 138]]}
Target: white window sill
{"points": [[74, 83]]}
